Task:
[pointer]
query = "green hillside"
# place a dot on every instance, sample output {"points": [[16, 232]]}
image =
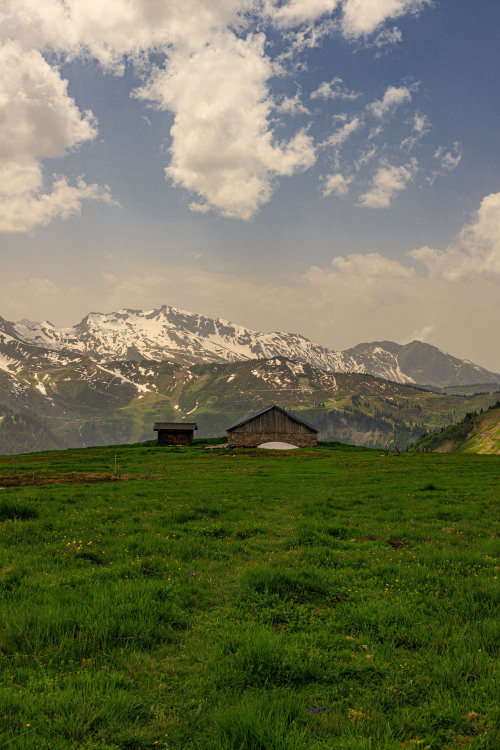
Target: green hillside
{"points": [[82, 403], [20, 432], [476, 433]]}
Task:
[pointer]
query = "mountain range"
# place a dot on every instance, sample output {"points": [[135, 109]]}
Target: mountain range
{"points": [[173, 335], [109, 378]]}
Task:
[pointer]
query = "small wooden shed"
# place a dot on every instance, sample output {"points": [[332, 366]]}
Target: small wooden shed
{"points": [[270, 425], [175, 433]]}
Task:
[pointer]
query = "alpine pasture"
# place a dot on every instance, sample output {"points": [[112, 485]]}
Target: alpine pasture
{"points": [[249, 600]]}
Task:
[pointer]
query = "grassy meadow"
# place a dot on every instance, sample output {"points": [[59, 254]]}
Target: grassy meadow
{"points": [[249, 600]]}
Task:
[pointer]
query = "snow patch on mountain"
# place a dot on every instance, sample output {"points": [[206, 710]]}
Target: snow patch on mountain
{"points": [[117, 374], [9, 364]]}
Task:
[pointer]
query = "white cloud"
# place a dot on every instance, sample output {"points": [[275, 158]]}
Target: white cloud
{"points": [[475, 254], [421, 334], [214, 76], [421, 127], [37, 116], [420, 123], [109, 30], [336, 183], [38, 119], [342, 134], [388, 37], [334, 89], [393, 98], [291, 105], [449, 159], [295, 12], [363, 17], [222, 146], [23, 211], [302, 38], [388, 181]]}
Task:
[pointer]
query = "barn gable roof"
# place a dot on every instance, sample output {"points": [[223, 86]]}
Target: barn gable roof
{"points": [[175, 426], [270, 408]]}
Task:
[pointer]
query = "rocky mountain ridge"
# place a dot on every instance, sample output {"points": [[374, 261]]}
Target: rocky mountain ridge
{"points": [[173, 335]]}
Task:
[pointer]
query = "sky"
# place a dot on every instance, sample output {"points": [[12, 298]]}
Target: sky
{"points": [[325, 167]]}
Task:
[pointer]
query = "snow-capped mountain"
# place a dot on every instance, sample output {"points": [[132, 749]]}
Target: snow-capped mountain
{"points": [[173, 335], [170, 334]]}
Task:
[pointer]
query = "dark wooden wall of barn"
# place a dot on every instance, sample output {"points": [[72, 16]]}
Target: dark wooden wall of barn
{"points": [[169, 437], [272, 421]]}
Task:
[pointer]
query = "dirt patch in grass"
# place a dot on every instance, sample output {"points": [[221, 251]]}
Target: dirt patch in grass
{"points": [[397, 543], [27, 480]]}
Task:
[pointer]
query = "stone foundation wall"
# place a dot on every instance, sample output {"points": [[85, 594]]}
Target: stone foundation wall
{"points": [[252, 440]]}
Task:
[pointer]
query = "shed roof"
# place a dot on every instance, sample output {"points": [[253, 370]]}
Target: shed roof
{"points": [[269, 408], [175, 426]]}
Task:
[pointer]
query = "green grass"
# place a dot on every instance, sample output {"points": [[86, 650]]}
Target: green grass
{"points": [[246, 600]]}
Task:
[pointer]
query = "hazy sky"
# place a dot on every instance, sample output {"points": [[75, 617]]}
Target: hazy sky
{"points": [[328, 167]]}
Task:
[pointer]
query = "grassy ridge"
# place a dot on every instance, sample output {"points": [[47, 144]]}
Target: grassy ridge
{"points": [[476, 433], [249, 600]]}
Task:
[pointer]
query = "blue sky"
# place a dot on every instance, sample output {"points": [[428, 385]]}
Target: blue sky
{"points": [[329, 167]]}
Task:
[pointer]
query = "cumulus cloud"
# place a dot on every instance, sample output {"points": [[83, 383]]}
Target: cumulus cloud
{"points": [[475, 254], [37, 116], [208, 64], [393, 98], [388, 181], [336, 183], [222, 146], [296, 12], [291, 105], [109, 30], [363, 17], [38, 119], [27, 209], [334, 89]]}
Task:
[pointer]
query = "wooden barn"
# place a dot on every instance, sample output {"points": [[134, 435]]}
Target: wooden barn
{"points": [[175, 433], [271, 425]]}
